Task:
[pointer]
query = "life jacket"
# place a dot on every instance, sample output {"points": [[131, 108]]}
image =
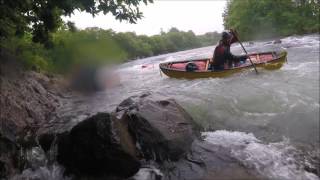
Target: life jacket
{"points": [[222, 52]]}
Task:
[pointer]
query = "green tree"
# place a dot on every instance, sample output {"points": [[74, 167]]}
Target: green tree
{"points": [[209, 38], [158, 44], [40, 17], [266, 18]]}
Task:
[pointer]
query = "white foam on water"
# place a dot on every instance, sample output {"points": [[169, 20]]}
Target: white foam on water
{"points": [[53, 172], [302, 68], [148, 173], [302, 41], [259, 114], [272, 161]]}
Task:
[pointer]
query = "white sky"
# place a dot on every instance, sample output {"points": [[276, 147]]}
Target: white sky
{"points": [[199, 16]]}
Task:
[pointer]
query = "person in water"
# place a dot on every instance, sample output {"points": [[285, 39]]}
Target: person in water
{"points": [[222, 54]]}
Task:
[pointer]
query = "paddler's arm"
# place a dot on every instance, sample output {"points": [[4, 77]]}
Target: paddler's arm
{"points": [[234, 38]]}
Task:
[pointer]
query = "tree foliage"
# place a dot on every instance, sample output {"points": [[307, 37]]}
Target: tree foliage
{"points": [[94, 46], [266, 18], [171, 41], [209, 38], [40, 17]]}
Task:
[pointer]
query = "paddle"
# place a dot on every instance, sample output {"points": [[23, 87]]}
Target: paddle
{"points": [[254, 66]]}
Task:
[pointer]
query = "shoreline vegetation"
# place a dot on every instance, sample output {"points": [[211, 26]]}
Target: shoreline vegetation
{"points": [[94, 46]]}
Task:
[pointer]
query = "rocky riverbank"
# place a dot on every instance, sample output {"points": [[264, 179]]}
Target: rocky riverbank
{"points": [[27, 101], [145, 137]]}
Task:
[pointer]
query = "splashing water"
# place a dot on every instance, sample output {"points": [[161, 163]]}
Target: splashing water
{"points": [[273, 160], [52, 172]]}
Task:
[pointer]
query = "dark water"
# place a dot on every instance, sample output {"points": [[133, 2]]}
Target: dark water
{"points": [[270, 121]]}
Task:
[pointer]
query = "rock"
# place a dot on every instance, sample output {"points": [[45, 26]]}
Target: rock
{"points": [[141, 127], [205, 162], [27, 101], [278, 41], [25, 106], [46, 141], [3, 170], [160, 126], [94, 147], [9, 154]]}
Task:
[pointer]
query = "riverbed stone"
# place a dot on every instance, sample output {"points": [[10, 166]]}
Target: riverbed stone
{"points": [[161, 127], [93, 147]]}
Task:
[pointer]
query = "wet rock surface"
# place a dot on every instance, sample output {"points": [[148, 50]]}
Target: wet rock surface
{"points": [[205, 161], [27, 101], [160, 126], [93, 147], [8, 157]]}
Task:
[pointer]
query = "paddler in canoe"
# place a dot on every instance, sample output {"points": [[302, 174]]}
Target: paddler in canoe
{"points": [[224, 63], [222, 54]]}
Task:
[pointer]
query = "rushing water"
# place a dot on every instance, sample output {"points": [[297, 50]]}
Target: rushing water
{"points": [[269, 121]]}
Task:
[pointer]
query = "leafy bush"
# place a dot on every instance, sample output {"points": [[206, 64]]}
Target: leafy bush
{"points": [[33, 55]]}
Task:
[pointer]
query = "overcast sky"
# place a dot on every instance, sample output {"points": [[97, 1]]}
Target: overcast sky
{"points": [[200, 16]]}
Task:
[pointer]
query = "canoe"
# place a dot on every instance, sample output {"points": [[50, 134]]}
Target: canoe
{"points": [[267, 60]]}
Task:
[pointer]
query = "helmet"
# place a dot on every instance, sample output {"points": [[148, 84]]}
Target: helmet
{"points": [[226, 35]]}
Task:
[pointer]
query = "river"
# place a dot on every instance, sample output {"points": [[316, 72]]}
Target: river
{"points": [[269, 122]]}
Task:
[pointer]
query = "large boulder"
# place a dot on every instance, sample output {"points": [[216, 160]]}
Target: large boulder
{"points": [[161, 127], [142, 127], [93, 147]]}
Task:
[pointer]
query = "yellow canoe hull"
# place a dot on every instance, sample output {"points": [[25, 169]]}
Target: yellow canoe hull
{"points": [[274, 64]]}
